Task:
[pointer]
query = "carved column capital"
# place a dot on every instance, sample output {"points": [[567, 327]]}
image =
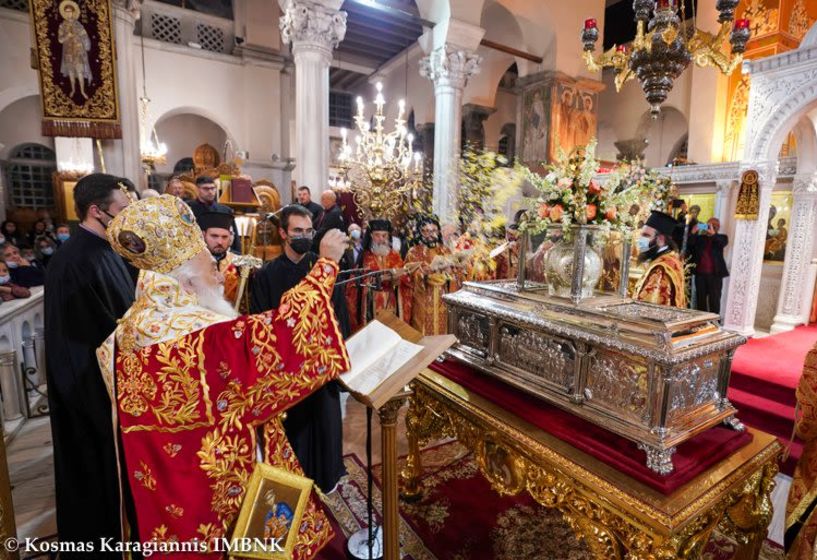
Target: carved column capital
{"points": [[129, 9], [449, 66], [310, 24], [724, 186]]}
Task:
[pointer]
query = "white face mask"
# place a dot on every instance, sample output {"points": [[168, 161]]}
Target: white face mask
{"points": [[355, 234], [643, 244], [5, 279], [47, 251], [12, 264]]}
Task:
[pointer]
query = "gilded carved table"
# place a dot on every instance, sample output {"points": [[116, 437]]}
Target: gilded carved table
{"points": [[618, 517]]}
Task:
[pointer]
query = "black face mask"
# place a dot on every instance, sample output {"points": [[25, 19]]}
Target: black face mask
{"points": [[300, 245], [103, 224]]}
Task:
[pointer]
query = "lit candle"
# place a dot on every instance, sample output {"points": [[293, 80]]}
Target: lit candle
{"points": [[590, 23], [742, 24]]}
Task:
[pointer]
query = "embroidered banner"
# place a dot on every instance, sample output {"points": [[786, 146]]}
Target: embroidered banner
{"points": [[75, 55]]}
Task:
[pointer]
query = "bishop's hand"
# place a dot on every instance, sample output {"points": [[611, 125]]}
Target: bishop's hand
{"points": [[333, 245]]}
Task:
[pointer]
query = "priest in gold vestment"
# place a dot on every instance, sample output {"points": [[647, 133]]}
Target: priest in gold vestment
{"points": [[197, 392], [801, 520], [663, 280], [431, 280]]}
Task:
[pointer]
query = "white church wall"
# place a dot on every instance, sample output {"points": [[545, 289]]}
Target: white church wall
{"points": [[183, 132], [19, 79], [21, 123]]}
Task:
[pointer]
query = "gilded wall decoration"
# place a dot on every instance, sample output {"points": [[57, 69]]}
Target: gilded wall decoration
{"points": [[764, 19], [748, 204], [574, 118], [77, 72], [799, 21], [738, 107]]}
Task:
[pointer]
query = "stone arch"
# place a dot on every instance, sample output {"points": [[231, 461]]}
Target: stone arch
{"points": [[663, 134], [185, 128]]}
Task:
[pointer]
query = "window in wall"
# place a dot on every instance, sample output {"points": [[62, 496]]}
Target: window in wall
{"points": [[29, 175], [340, 109], [219, 8], [19, 5]]}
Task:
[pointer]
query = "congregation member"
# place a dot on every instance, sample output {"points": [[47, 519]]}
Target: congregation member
{"points": [[330, 218], [354, 254], [239, 375], [148, 193], [313, 427], [663, 280], [45, 247], [8, 289], [706, 247], [305, 200], [24, 271], [63, 234], [12, 234], [174, 187], [207, 201], [39, 229], [88, 289], [217, 236]]}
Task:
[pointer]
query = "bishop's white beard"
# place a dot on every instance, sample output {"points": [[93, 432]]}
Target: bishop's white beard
{"points": [[212, 299], [381, 249]]}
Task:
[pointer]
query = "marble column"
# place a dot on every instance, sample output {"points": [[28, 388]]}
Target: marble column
{"points": [[127, 161], [314, 30], [723, 195], [449, 68], [799, 249], [747, 256]]}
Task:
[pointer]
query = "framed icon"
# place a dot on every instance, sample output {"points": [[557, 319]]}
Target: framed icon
{"points": [[271, 514]]}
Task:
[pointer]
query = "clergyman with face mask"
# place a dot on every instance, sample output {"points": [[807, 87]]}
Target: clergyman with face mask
{"points": [[663, 280], [314, 426], [87, 289]]}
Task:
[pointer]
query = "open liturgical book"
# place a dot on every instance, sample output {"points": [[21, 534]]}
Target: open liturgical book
{"points": [[386, 355]]}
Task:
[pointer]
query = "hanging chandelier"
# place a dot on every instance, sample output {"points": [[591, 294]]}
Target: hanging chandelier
{"points": [[381, 170], [664, 46], [151, 150]]}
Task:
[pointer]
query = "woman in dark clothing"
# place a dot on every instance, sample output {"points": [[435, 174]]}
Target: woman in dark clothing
{"points": [[39, 229], [12, 233]]}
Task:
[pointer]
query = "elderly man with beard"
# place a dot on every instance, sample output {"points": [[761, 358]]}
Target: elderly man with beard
{"points": [[393, 291], [431, 280], [197, 392], [663, 281]]}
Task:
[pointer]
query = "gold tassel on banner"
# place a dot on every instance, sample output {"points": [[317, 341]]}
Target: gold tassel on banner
{"points": [[748, 204]]}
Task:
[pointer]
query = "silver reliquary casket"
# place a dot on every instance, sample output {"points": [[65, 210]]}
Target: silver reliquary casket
{"points": [[656, 375]]}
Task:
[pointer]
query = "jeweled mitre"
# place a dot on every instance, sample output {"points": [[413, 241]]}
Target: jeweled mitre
{"points": [[158, 234]]}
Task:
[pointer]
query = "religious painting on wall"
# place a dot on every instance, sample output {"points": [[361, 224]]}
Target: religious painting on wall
{"points": [[535, 126], [270, 516], [77, 71], [64, 184], [777, 230], [574, 119], [704, 201]]}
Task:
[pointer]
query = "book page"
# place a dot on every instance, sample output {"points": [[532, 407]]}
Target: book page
{"points": [[375, 352]]}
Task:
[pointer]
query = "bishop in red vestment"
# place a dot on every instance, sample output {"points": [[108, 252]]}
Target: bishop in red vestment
{"points": [[197, 392]]}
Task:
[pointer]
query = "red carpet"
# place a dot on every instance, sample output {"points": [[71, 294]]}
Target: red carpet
{"points": [[765, 373], [460, 517]]}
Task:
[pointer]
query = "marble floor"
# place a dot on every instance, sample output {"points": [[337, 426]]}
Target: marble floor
{"points": [[31, 468]]}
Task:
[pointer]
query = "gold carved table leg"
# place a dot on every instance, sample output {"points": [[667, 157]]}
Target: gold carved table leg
{"points": [[388, 441], [610, 533]]}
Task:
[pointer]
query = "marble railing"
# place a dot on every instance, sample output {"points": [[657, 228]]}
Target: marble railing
{"points": [[22, 349]]}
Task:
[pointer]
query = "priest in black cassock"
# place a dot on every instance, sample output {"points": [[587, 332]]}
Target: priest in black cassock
{"points": [[87, 289], [314, 426]]}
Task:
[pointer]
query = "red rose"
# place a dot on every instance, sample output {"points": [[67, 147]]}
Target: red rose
{"points": [[556, 213], [594, 188], [611, 214], [591, 211], [544, 211]]}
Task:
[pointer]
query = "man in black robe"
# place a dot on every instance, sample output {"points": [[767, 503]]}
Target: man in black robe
{"points": [[87, 289], [314, 426], [207, 201]]}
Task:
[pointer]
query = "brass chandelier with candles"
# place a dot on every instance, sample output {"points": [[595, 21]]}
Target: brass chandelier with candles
{"points": [[664, 46], [380, 168]]}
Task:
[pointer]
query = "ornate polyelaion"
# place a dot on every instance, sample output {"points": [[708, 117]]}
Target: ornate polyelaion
{"points": [[77, 71], [748, 204], [617, 517]]}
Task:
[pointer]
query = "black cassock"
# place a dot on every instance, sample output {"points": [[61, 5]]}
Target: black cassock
{"points": [[87, 289], [314, 427]]}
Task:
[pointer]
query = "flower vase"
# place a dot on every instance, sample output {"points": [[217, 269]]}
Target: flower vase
{"points": [[573, 266]]}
